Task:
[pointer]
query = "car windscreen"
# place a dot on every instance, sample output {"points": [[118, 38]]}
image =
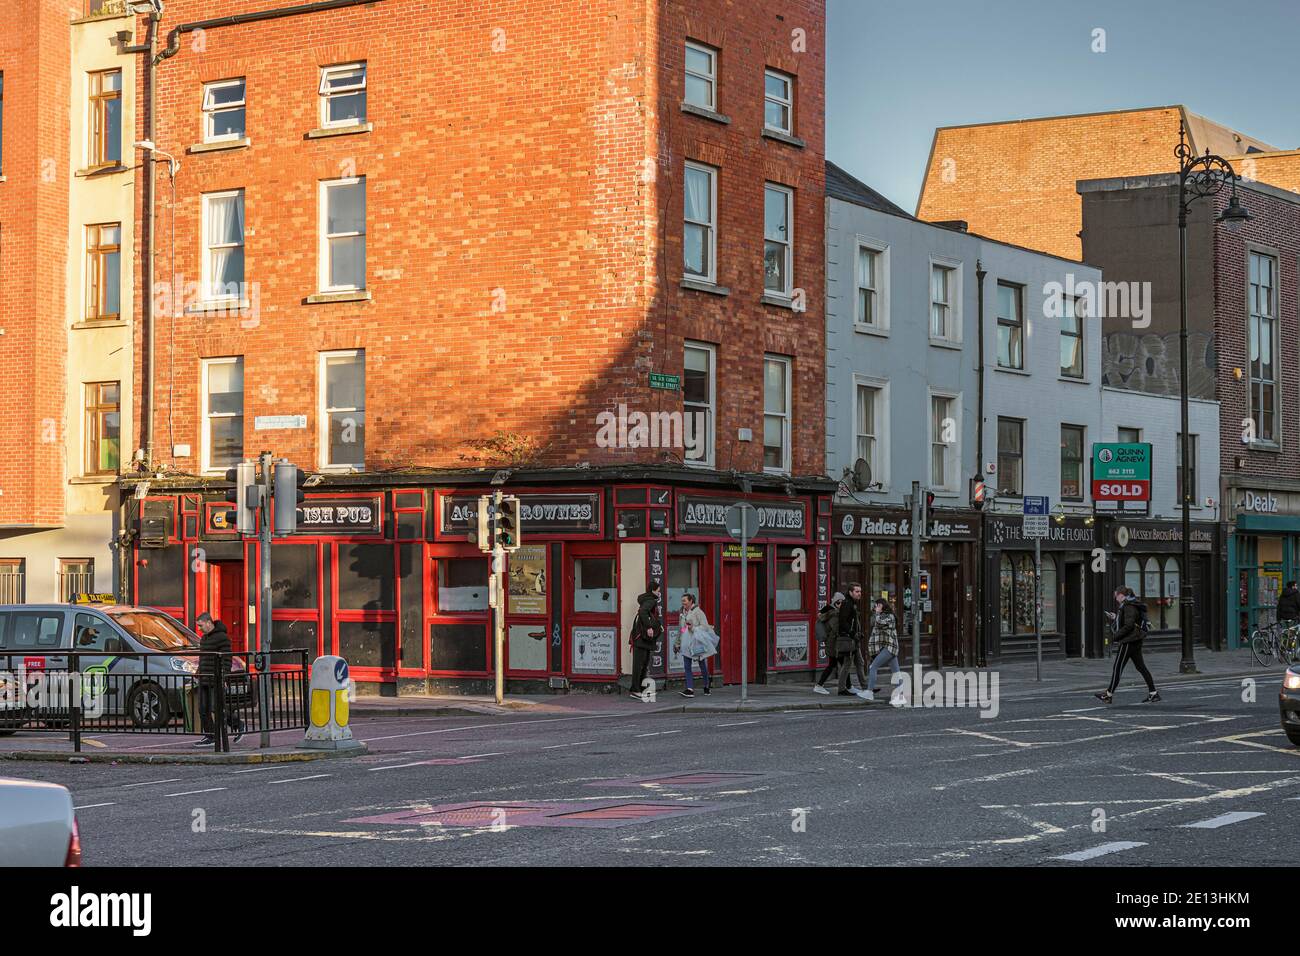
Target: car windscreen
{"points": [[154, 630]]}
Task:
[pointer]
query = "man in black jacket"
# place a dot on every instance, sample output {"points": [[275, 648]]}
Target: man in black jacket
{"points": [[1288, 603], [214, 640], [1130, 629], [646, 632]]}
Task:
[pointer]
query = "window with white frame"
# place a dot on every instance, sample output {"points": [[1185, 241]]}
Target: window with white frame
{"points": [[343, 95], [778, 232], [944, 292], [1072, 329], [223, 245], [699, 236], [873, 287], [701, 76], [776, 413], [871, 428], [1011, 326], [343, 409], [1262, 332], [778, 102], [223, 110], [343, 235], [699, 402], [223, 412], [945, 442]]}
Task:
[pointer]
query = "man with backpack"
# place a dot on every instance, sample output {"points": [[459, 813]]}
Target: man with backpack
{"points": [[1131, 626], [646, 632]]}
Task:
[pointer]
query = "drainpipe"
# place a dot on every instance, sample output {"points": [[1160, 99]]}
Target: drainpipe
{"points": [[981, 652], [174, 37]]}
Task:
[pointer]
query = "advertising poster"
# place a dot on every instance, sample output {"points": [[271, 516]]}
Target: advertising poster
{"points": [[791, 643], [593, 650], [527, 580]]}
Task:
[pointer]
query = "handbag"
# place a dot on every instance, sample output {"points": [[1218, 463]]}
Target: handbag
{"points": [[704, 641]]}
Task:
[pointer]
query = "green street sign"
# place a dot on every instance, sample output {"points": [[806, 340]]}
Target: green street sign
{"points": [[669, 383], [1121, 471]]}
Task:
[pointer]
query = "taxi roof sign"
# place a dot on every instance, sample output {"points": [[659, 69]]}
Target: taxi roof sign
{"points": [[94, 597]]}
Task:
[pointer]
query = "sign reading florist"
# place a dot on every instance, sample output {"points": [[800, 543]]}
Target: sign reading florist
{"points": [[700, 515]]}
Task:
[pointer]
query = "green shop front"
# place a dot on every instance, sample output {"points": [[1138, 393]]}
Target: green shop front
{"points": [[1263, 552]]}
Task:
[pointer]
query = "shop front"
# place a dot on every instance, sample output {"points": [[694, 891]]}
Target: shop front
{"points": [[1262, 551], [1069, 592], [873, 548], [1147, 557], [393, 580]]}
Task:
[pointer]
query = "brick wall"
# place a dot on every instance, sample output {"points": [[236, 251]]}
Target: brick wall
{"points": [[1280, 169], [522, 263], [35, 60]]}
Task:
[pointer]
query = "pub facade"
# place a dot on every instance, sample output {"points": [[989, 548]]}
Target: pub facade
{"points": [[390, 577]]}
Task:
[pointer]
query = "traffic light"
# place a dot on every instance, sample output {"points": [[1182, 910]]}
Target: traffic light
{"points": [[505, 524], [927, 511], [484, 537], [925, 586], [288, 495], [245, 495]]}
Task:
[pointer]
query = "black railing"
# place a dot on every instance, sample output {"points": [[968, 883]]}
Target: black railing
{"points": [[82, 692]]}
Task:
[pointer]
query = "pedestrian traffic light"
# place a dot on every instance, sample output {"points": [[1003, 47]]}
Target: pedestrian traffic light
{"points": [[288, 495], [925, 586], [245, 495], [505, 525], [484, 536]]}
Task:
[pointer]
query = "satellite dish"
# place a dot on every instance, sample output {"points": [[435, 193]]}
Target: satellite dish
{"points": [[861, 474]]}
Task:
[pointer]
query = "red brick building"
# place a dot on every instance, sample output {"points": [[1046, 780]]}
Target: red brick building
{"points": [[402, 229]]}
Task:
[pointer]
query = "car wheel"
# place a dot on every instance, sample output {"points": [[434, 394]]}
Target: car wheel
{"points": [[1293, 735], [148, 707], [7, 733]]}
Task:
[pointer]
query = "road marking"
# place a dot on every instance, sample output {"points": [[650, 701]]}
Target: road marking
{"points": [[150, 783], [499, 753], [91, 806], [509, 723], [658, 733], [580, 743], [256, 770], [1222, 821], [1001, 740], [1102, 850], [739, 724], [315, 776], [190, 793]]}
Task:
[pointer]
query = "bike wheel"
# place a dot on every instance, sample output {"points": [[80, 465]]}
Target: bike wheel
{"points": [[1287, 647], [1262, 649]]}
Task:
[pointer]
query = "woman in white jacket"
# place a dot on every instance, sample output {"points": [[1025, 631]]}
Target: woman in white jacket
{"points": [[698, 643]]}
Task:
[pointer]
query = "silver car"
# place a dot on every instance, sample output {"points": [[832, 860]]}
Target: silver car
{"points": [[38, 826]]}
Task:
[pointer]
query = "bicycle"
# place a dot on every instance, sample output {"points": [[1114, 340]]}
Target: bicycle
{"points": [[1273, 642]]}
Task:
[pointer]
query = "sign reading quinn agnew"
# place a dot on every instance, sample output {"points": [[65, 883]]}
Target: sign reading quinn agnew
{"points": [[1121, 472], [538, 514], [776, 519]]}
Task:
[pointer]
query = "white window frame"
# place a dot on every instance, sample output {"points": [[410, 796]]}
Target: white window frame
{"points": [[881, 250], [1080, 307], [711, 226], [711, 78], [787, 431], [954, 306], [205, 438], [709, 438], [880, 466], [787, 102], [205, 268], [323, 251], [952, 452], [323, 411], [210, 110], [788, 291], [326, 95]]}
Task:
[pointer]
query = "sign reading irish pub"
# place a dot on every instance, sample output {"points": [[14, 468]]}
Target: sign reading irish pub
{"points": [[1121, 472], [707, 515]]}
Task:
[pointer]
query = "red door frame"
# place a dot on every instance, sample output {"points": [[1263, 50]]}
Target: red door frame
{"points": [[729, 625], [577, 619]]}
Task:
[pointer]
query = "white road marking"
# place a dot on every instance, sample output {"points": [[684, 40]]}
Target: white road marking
{"points": [[508, 723], [396, 766], [1102, 850], [739, 724], [190, 793], [1001, 740], [658, 733], [91, 806], [256, 770], [150, 783], [580, 743], [1222, 821], [315, 776]]}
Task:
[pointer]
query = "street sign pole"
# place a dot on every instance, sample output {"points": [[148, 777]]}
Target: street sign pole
{"points": [[499, 617], [1038, 600], [916, 586], [742, 524], [1035, 524]]}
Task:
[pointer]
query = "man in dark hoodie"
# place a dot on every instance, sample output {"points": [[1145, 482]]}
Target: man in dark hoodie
{"points": [[1130, 629], [214, 640], [646, 631], [1288, 604]]}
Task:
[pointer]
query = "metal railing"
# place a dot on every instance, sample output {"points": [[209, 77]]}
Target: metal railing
{"points": [[49, 690], [103, 8], [72, 583], [12, 590]]}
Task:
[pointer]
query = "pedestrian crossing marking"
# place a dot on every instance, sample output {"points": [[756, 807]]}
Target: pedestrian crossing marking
{"points": [[1222, 821], [1102, 850]]}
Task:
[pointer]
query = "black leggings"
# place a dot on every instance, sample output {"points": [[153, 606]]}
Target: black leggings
{"points": [[839, 660], [1130, 652]]}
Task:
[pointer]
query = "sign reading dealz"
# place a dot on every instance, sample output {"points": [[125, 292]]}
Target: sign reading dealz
{"points": [[538, 514], [699, 515]]}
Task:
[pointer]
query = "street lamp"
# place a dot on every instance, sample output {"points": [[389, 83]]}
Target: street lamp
{"points": [[1198, 176]]}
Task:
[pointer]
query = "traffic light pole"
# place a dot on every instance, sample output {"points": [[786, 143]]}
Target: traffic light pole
{"points": [[263, 644], [499, 618], [918, 509]]}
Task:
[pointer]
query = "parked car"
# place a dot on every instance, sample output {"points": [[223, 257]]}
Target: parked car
{"points": [[1289, 703], [38, 826], [147, 689]]}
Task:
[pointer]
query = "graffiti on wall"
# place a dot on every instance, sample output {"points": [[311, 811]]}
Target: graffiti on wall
{"points": [[1149, 362]]}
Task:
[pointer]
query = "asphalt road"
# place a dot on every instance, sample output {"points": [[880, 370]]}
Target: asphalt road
{"points": [[1059, 780]]}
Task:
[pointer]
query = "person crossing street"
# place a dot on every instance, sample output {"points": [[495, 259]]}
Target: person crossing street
{"points": [[1130, 627]]}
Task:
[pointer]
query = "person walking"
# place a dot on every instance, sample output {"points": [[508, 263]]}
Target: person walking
{"points": [[1130, 627], [883, 649], [646, 631], [828, 624], [698, 644], [214, 640], [1288, 604]]}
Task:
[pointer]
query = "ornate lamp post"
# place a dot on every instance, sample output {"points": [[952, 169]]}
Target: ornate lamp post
{"points": [[1198, 176]]}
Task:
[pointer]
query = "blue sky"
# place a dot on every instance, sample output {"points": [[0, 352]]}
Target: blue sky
{"points": [[899, 68]]}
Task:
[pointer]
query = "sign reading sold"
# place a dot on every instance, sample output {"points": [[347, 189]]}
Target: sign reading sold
{"points": [[1121, 472]]}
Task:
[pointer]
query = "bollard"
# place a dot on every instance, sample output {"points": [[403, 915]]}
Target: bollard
{"points": [[327, 711]]}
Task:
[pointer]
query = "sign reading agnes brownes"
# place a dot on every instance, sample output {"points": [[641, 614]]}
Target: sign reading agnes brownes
{"points": [[538, 514], [706, 515]]}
